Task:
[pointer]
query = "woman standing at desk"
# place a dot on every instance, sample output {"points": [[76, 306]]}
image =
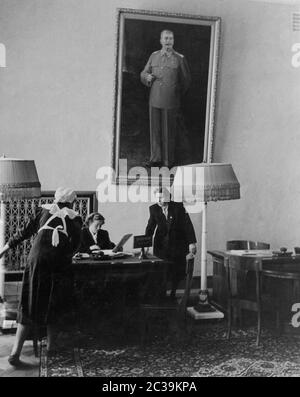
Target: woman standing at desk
{"points": [[93, 237], [46, 276]]}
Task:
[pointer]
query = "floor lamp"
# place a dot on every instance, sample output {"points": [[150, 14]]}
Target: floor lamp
{"points": [[18, 180], [196, 185]]}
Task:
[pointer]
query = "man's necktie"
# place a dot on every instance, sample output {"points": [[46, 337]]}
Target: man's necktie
{"points": [[165, 211]]}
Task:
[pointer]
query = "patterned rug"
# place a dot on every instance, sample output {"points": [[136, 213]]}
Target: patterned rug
{"points": [[205, 352]]}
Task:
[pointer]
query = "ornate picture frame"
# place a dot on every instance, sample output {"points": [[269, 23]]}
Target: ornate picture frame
{"points": [[196, 40]]}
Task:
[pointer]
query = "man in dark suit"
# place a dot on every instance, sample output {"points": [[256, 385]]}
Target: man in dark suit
{"points": [[93, 237], [174, 236]]}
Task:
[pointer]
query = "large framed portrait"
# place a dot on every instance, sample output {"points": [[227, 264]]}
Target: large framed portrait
{"points": [[165, 92]]}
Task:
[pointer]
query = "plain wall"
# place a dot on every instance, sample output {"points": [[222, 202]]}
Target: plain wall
{"points": [[57, 98]]}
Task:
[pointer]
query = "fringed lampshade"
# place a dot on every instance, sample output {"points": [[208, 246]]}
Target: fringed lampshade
{"points": [[18, 179], [201, 183], [205, 182]]}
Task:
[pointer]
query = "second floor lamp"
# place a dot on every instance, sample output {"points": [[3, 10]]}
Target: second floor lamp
{"points": [[18, 180], [196, 185]]}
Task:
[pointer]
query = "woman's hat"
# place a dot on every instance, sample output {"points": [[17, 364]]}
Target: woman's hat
{"points": [[64, 195]]}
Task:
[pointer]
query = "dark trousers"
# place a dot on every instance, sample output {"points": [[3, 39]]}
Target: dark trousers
{"points": [[163, 128]]}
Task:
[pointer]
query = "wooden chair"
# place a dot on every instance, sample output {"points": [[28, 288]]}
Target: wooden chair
{"points": [[279, 277], [35, 335], [35, 340], [165, 307], [10, 311]]}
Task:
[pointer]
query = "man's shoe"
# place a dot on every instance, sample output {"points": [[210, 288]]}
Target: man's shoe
{"points": [[52, 353], [150, 164], [170, 165], [14, 360]]}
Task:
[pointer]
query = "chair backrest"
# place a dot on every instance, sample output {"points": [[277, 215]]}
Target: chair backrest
{"points": [[189, 270], [239, 245], [258, 245], [246, 245]]}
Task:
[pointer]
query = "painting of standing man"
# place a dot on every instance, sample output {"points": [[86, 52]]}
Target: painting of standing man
{"points": [[168, 76]]}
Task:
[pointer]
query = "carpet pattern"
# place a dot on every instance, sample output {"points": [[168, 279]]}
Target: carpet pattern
{"points": [[204, 353]]}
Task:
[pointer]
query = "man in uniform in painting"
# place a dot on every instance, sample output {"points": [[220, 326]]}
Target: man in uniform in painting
{"points": [[168, 75]]}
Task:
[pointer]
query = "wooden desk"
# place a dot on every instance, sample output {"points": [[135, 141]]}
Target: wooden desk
{"points": [[130, 268], [288, 291], [127, 281], [132, 264]]}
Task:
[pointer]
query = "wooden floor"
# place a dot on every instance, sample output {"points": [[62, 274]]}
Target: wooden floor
{"points": [[31, 363]]}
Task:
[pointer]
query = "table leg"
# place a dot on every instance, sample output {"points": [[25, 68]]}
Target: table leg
{"points": [[229, 300], [258, 298]]}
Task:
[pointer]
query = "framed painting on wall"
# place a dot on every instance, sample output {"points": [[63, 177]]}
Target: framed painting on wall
{"points": [[165, 92]]}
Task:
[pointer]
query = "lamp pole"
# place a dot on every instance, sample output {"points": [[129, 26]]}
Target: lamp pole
{"points": [[203, 294], [2, 243]]}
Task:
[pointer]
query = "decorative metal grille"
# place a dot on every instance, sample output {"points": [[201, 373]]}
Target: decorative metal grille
{"points": [[18, 212]]}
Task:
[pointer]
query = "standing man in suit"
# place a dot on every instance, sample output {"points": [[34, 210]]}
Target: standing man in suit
{"points": [[174, 236], [93, 237], [168, 76]]}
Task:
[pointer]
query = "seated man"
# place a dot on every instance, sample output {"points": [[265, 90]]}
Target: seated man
{"points": [[93, 237], [174, 236]]}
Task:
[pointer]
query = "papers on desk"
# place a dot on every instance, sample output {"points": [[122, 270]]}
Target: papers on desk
{"points": [[260, 253], [120, 254], [106, 253], [81, 256]]}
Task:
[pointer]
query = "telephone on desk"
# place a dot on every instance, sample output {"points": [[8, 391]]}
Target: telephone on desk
{"points": [[282, 252]]}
